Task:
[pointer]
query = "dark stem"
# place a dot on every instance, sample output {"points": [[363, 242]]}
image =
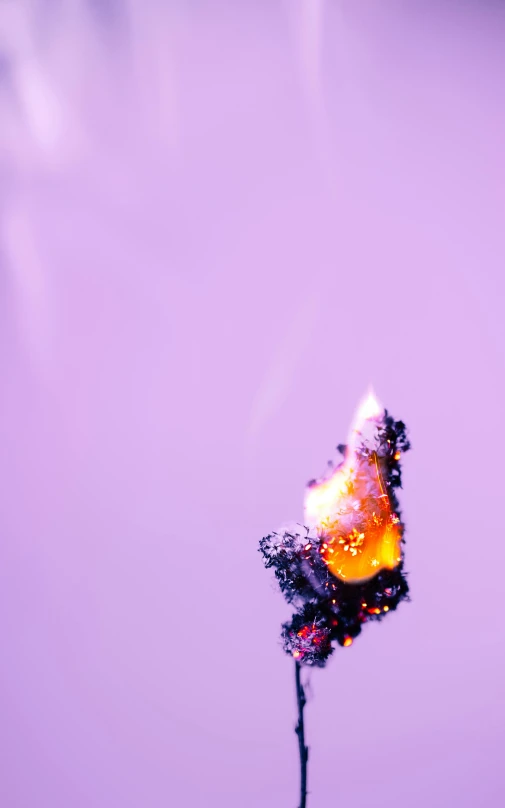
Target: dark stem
{"points": [[300, 731]]}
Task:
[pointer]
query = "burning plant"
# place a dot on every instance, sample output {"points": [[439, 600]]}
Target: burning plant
{"points": [[344, 567]]}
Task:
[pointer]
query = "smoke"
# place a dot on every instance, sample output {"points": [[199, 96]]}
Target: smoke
{"points": [[61, 63], [307, 23]]}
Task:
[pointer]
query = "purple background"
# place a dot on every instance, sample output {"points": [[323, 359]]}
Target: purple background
{"points": [[219, 224]]}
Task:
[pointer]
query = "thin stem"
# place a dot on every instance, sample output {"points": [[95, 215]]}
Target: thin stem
{"points": [[300, 731]]}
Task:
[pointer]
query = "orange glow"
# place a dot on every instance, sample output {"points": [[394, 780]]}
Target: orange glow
{"points": [[347, 642], [296, 654], [350, 509]]}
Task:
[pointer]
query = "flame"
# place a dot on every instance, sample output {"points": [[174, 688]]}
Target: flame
{"points": [[351, 511], [369, 408]]}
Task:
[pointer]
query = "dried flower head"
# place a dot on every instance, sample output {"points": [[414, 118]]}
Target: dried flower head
{"points": [[345, 567]]}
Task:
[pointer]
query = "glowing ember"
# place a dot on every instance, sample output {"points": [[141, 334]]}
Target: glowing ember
{"points": [[351, 510]]}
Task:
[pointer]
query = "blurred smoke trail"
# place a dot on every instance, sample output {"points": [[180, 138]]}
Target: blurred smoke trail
{"points": [[30, 126], [31, 302], [274, 387], [49, 63], [84, 85], [307, 18], [153, 37]]}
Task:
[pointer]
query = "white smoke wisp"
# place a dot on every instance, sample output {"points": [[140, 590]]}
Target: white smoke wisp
{"points": [[307, 22], [81, 93], [280, 373]]}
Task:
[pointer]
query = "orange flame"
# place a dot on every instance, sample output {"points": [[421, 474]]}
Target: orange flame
{"points": [[351, 510]]}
